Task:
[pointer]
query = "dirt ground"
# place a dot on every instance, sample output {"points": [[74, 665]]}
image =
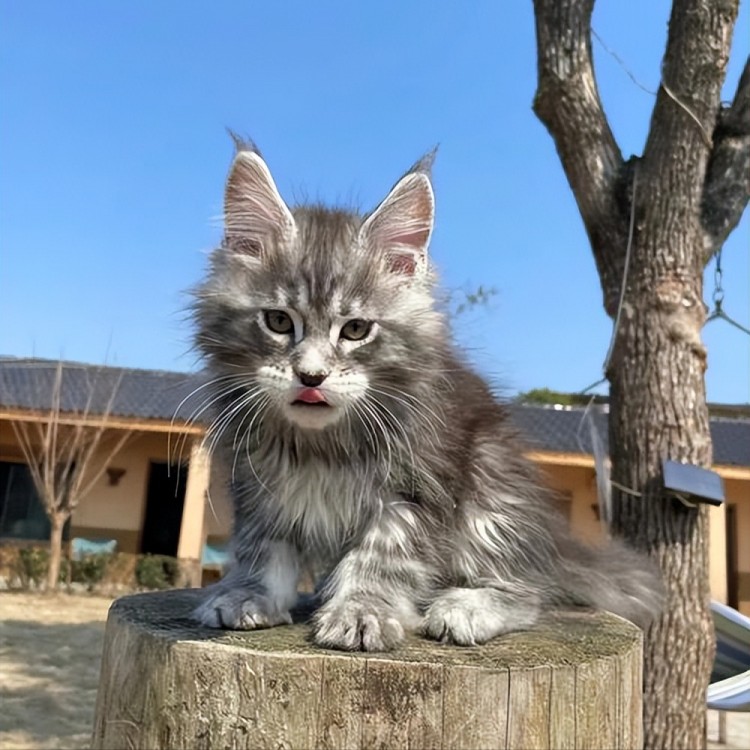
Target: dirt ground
{"points": [[50, 649]]}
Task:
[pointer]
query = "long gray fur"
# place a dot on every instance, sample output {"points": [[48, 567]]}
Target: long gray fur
{"points": [[409, 493]]}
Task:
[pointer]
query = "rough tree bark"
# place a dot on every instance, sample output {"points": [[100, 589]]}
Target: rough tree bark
{"points": [[684, 196], [57, 526]]}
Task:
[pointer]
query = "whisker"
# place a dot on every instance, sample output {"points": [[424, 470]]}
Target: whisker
{"points": [[368, 407], [209, 402], [193, 416], [225, 417], [259, 412]]}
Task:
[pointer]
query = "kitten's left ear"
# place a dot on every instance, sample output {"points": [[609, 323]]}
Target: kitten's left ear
{"points": [[400, 227]]}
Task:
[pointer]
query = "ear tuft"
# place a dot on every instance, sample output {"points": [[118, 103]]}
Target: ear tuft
{"points": [[255, 216], [243, 142], [424, 164], [400, 227]]}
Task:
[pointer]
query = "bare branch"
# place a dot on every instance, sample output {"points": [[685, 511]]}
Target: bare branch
{"points": [[88, 440], [567, 102], [31, 455], [727, 187], [52, 427], [95, 476], [64, 458], [64, 452]]}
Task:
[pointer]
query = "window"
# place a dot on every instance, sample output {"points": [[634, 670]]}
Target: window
{"points": [[22, 514]]}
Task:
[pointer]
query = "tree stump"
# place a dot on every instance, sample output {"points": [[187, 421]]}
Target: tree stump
{"points": [[572, 682]]}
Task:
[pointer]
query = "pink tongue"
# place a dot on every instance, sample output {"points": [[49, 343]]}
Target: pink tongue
{"points": [[311, 396]]}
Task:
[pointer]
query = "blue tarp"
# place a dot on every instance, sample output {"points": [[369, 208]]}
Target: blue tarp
{"points": [[215, 554], [81, 547]]}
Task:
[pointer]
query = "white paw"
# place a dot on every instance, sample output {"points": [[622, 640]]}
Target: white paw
{"points": [[239, 609], [468, 617], [354, 626]]}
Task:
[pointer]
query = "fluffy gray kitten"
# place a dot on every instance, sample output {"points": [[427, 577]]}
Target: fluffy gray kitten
{"points": [[361, 445]]}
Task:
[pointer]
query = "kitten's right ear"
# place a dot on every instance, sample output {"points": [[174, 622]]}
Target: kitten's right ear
{"points": [[255, 216]]}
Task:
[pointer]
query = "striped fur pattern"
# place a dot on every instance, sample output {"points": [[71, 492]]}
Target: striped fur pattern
{"points": [[368, 451]]}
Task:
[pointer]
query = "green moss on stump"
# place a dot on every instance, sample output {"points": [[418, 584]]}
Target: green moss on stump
{"points": [[561, 638]]}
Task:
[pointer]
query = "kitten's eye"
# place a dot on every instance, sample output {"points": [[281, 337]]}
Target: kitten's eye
{"points": [[356, 329], [278, 321]]}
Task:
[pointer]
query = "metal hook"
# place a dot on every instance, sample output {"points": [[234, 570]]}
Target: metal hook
{"points": [[718, 299]]}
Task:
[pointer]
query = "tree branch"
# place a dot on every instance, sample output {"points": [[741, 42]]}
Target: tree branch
{"points": [[95, 475], [680, 139], [726, 190], [26, 443], [567, 102]]}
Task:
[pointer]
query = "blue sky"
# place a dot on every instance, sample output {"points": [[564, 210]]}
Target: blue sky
{"points": [[113, 155]]}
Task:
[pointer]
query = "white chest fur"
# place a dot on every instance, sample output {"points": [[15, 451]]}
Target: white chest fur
{"points": [[325, 504]]}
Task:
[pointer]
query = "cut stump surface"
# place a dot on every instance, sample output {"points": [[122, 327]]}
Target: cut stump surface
{"points": [[572, 682]]}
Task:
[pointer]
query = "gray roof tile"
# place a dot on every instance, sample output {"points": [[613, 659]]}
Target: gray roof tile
{"points": [[154, 394], [565, 430], [143, 394]]}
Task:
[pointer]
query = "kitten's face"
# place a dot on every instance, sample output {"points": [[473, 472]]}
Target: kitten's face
{"points": [[313, 372], [318, 315]]}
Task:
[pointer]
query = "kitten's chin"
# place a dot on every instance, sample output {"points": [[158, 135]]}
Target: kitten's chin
{"points": [[312, 417]]}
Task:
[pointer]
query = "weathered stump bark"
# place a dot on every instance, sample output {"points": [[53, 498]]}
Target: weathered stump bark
{"points": [[573, 682]]}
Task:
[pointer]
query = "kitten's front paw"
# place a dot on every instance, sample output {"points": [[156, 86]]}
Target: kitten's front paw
{"points": [[239, 609], [356, 626], [468, 617]]}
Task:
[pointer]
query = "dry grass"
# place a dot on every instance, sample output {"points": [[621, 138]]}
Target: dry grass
{"points": [[50, 650]]}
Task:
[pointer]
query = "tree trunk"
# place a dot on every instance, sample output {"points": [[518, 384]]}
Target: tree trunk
{"points": [[657, 410], [653, 223], [167, 683], [57, 525]]}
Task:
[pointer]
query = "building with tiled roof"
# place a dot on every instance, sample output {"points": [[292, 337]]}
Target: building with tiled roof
{"points": [[147, 504], [175, 397]]}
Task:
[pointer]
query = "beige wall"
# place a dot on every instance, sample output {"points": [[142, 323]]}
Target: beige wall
{"points": [[578, 483], [120, 509]]}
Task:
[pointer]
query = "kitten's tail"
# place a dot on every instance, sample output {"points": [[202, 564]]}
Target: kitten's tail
{"points": [[612, 577]]}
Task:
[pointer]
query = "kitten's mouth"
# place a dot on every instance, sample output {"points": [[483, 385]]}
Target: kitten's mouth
{"points": [[310, 397]]}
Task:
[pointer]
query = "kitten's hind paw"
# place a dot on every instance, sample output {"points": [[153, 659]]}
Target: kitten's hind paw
{"points": [[354, 626], [239, 609], [468, 617]]}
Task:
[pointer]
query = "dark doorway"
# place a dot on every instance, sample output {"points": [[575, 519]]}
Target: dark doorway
{"points": [[733, 573], [164, 501]]}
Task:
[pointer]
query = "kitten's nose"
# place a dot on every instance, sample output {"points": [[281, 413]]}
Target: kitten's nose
{"points": [[311, 380]]}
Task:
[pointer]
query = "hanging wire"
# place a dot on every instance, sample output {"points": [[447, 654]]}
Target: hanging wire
{"points": [[623, 285], [601, 461], [718, 299]]}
